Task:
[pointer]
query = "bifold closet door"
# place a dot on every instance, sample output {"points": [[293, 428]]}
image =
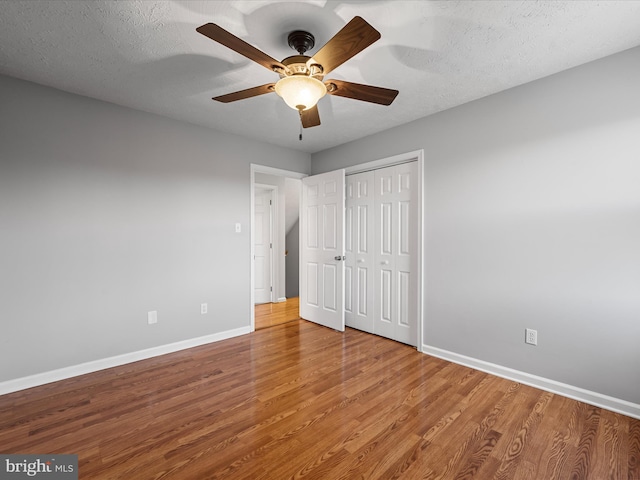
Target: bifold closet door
{"points": [[381, 249], [360, 250], [395, 261]]}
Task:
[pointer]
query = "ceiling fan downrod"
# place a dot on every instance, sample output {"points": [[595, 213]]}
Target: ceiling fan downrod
{"points": [[301, 41]]}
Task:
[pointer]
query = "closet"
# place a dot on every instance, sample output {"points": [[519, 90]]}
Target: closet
{"points": [[381, 241]]}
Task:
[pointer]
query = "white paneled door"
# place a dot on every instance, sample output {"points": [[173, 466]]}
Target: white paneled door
{"points": [[360, 251], [395, 262], [262, 245], [381, 245], [322, 249]]}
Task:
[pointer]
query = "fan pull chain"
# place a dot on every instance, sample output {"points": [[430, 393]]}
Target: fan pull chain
{"points": [[300, 136]]}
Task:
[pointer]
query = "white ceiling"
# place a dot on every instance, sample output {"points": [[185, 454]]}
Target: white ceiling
{"points": [[146, 54]]}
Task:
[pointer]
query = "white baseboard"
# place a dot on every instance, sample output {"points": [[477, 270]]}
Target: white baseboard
{"points": [[592, 398], [23, 383]]}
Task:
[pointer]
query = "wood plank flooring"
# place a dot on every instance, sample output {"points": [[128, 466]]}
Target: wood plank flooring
{"points": [[270, 314], [298, 401]]}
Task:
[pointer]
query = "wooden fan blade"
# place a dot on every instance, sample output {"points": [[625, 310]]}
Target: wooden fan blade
{"points": [[354, 37], [357, 91], [310, 117], [229, 40], [248, 93]]}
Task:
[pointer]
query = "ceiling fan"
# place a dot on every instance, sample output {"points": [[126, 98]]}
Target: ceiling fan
{"points": [[301, 82]]}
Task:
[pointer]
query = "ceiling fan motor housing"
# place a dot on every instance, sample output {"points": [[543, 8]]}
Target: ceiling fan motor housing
{"points": [[301, 65], [301, 41]]}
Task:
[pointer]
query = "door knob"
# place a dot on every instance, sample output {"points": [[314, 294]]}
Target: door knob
{"points": [[361, 260], [339, 257], [384, 262]]}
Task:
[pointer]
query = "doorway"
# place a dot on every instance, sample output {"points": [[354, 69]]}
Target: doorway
{"points": [[283, 305]]}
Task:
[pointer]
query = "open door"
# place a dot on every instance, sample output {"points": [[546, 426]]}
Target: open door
{"points": [[322, 249], [263, 245]]}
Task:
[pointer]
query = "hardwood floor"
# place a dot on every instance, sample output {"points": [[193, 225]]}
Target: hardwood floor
{"points": [[301, 401], [270, 314]]}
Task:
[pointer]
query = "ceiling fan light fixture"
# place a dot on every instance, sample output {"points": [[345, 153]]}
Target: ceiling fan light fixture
{"points": [[300, 92], [301, 76]]}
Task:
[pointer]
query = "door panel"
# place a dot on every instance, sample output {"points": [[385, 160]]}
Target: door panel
{"points": [[403, 298], [386, 299], [349, 271], [312, 226], [330, 277], [363, 293], [396, 200], [348, 297], [262, 246], [385, 228], [312, 284], [363, 237], [330, 227], [322, 298], [404, 230], [359, 251]]}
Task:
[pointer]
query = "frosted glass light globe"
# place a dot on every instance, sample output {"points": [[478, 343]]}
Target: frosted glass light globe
{"points": [[300, 92]]}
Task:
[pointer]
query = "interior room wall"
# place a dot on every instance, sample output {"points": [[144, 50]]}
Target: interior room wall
{"points": [[532, 220], [292, 244], [293, 188], [108, 213]]}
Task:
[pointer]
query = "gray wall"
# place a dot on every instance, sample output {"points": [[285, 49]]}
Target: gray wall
{"points": [[293, 261], [532, 219], [107, 213]]}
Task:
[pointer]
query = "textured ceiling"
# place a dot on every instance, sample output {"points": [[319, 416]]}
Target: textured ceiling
{"points": [[439, 54]]}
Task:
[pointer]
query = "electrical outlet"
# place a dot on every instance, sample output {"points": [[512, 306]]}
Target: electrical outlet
{"points": [[531, 336], [152, 317], [238, 227], [203, 308]]}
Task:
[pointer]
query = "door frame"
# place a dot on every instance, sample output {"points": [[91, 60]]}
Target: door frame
{"points": [[415, 155], [255, 168], [273, 192]]}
